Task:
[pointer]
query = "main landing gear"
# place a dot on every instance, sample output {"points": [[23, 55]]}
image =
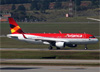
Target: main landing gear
{"points": [[57, 48], [50, 48], [86, 47]]}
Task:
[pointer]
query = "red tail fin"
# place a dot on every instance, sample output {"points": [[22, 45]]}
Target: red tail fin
{"points": [[14, 26]]}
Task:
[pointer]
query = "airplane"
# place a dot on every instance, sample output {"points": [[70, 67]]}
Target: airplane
{"points": [[59, 40]]}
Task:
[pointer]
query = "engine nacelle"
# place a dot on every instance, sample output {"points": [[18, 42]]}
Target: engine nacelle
{"points": [[72, 45], [60, 44]]}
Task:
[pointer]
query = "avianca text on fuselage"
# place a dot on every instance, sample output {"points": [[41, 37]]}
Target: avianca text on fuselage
{"points": [[72, 36], [59, 40]]}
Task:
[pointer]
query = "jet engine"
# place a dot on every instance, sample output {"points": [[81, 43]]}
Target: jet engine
{"points": [[72, 45], [60, 44]]}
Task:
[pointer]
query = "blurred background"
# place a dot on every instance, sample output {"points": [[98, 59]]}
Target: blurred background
{"points": [[49, 10]]}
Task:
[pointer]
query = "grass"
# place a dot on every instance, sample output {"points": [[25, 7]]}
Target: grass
{"points": [[12, 43], [49, 55], [73, 19], [53, 27]]}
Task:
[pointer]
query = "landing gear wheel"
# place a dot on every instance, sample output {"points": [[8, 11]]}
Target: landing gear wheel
{"points": [[86, 47], [57, 48], [50, 48]]}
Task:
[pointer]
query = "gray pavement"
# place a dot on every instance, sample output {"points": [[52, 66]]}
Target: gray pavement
{"points": [[11, 68], [43, 49], [71, 61]]}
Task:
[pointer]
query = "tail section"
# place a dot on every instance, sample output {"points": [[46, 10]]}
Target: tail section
{"points": [[14, 27]]}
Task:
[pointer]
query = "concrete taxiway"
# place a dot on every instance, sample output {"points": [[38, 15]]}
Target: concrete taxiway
{"points": [[71, 61], [11, 68], [43, 49]]}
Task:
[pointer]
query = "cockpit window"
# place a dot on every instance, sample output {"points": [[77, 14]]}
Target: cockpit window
{"points": [[91, 37]]}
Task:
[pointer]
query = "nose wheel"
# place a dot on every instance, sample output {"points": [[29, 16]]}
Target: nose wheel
{"points": [[86, 47]]}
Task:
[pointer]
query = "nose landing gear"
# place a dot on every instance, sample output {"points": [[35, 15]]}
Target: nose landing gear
{"points": [[86, 47]]}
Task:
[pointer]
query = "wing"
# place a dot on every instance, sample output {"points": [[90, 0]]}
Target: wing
{"points": [[52, 40]]}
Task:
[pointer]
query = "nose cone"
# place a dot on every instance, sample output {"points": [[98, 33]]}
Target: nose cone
{"points": [[95, 40]]}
